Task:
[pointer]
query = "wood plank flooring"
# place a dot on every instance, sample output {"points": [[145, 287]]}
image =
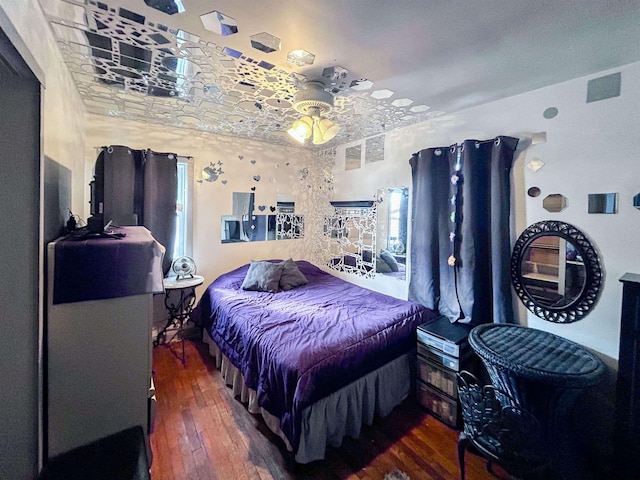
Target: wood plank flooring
{"points": [[202, 432]]}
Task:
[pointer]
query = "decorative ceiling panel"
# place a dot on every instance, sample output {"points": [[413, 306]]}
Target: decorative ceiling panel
{"points": [[126, 65]]}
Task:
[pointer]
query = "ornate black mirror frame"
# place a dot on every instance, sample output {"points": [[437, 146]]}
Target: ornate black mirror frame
{"points": [[588, 296]]}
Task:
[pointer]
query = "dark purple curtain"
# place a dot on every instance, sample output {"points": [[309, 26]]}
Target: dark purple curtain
{"points": [[160, 197], [460, 240], [140, 188]]}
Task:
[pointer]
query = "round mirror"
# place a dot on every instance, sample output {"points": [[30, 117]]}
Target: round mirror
{"points": [[556, 271]]}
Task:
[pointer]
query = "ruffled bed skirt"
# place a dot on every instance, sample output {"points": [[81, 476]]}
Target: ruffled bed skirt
{"points": [[330, 419]]}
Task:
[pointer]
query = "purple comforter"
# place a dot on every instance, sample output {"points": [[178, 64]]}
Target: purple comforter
{"points": [[298, 346]]}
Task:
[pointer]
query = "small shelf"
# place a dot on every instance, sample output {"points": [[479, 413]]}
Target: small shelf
{"points": [[545, 246], [543, 277]]}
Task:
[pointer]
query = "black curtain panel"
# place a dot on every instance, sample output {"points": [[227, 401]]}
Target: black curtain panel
{"points": [[159, 200], [139, 187], [460, 240]]}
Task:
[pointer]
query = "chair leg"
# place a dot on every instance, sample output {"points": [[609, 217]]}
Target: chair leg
{"points": [[462, 446]]}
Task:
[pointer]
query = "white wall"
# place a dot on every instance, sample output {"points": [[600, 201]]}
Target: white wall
{"points": [[279, 169], [62, 142], [590, 148]]}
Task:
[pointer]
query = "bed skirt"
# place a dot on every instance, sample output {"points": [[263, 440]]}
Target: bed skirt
{"points": [[330, 419]]}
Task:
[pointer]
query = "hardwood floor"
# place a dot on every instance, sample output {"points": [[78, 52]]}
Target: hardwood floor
{"points": [[202, 432]]}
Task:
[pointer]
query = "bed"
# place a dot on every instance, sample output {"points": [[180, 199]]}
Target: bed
{"points": [[317, 361]]}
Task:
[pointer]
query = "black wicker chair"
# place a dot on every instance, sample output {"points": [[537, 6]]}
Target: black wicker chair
{"points": [[499, 430]]}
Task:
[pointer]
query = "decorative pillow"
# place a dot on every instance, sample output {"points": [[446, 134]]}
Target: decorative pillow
{"points": [[291, 275], [382, 266], [390, 259], [263, 276]]}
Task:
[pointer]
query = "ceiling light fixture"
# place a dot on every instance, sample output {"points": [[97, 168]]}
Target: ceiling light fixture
{"points": [[313, 101]]}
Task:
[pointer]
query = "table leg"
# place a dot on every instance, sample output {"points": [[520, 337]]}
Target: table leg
{"points": [[179, 311]]}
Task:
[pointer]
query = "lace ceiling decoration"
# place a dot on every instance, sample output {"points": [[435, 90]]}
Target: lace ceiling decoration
{"points": [[126, 65]]}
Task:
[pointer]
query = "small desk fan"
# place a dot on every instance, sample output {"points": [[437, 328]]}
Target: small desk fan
{"points": [[183, 267]]}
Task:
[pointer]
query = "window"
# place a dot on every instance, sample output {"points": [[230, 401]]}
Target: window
{"points": [[184, 208]]}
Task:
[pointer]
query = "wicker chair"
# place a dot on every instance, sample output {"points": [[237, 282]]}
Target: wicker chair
{"points": [[499, 430]]}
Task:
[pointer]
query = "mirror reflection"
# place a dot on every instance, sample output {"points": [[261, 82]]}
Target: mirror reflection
{"points": [[556, 202], [393, 209], [553, 271], [603, 203], [353, 157], [350, 235], [244, 225]]}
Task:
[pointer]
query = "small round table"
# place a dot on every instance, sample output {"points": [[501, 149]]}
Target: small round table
{"points": [[544, 373], [179, 305]]}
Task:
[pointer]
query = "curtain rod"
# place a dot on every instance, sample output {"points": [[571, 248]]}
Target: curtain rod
{"points": [[107, 146]]}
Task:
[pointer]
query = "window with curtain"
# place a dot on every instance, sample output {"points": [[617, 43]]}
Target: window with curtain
{"points": [[460, 241], [184, 208]]}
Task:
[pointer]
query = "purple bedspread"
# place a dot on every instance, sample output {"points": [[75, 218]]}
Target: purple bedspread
{"points": [[298, 346]]}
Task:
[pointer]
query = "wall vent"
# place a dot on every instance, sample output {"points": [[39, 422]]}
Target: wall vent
{"points": [[604, 87]]}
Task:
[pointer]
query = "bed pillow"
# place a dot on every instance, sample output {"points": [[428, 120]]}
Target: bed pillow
{"points": [[291, 275], [389, 259], [382, 266], [263, 276]]}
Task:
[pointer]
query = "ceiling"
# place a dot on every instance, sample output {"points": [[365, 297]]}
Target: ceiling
{"points": [[388, 63]]}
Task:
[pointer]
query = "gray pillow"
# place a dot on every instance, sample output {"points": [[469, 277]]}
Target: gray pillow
{"points": [[263, 276], [389, 259], [291, 276], [382, 266]]}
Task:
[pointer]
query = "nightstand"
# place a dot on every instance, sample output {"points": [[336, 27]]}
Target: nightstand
{"points": [[180, 305], [443, 351]]}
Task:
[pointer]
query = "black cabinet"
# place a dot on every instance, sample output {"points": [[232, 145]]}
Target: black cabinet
{"points": [[627, 428], [442, 352]]}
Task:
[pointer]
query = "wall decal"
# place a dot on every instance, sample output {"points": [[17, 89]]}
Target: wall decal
{"points": [[538, 137], [533, 192], [603, 203], [353, 157], [256, 178], [253, 189], [550, 112], [212, 172], [224, 182], [253, 162], [350, 238], [535, 164], [374, 149], [554, 203], [245, 226]]}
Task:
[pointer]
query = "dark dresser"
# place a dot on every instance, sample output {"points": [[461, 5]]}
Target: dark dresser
{"points": [[627, 426]]}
